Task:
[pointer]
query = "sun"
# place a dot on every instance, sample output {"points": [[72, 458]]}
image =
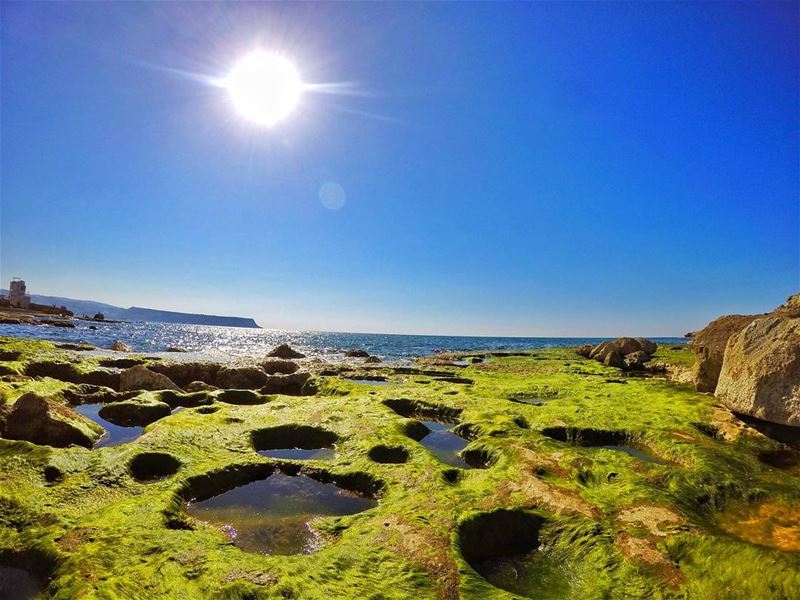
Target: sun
{"points": [[265, 88]]}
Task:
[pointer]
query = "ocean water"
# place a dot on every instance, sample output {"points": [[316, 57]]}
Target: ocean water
{"points": [[233, 342]]}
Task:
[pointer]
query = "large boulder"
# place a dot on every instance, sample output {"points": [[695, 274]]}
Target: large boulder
{"points": [[142, 378], [708, 346], [626, 345], [285, 351], [585, 350], [356, 353], [760, 373], [647, 345], [614, 359], [241, 378], [40, 420], [120, 346], [599, 352]]}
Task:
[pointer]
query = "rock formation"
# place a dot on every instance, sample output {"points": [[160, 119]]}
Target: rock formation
{"points": [[36, 419], [708, 346], [142, 378], [285, 351], [760, 373], [629, 354]]}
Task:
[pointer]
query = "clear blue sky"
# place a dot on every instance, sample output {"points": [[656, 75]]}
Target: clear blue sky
{"points": [[531, 169]]}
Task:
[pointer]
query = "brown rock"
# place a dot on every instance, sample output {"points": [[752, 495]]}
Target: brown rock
{"points": [[760, 373], [356, 353], [372, 359], [142, 378], [647, 345], [278, 365], [285, 351], [184, 373], [120, 346], [614, 359], [790, 308], [626, 345], [600, 351], [241, 378], [708, 346], [200, 386], [296, 384], [40, 420], [585, 350], [635, 360]]}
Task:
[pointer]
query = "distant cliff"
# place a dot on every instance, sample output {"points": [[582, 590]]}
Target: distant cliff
{"points": [[135, 313]]}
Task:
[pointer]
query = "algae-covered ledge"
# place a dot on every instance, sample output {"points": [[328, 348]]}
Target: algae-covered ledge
{"points": [[576, 479]]}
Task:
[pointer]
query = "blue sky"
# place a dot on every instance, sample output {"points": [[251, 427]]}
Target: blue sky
{"points": [[509, 169]]}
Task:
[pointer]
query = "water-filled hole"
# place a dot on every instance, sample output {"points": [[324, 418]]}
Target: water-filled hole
{"points": [[295, 442], [114, 434], [274, 515], [152, 466], [504, 548], [388, 454], [600, 438]]}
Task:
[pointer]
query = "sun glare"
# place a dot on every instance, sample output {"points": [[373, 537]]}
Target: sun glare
{"points": [[265, 88]]}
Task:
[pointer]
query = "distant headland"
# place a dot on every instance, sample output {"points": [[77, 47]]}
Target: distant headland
{"points": [[134, 313]]}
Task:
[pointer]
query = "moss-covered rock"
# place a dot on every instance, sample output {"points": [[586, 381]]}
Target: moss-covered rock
{"points": [[140, 411], [40, 420]]}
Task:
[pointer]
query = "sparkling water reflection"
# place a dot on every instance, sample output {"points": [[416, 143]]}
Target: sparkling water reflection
{"points": [[222, 342]]}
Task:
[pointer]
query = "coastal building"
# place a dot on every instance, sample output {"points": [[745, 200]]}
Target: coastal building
{"points": [[16, 294]]}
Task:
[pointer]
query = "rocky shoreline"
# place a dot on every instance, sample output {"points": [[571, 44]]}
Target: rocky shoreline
{"points": [[549, 473]]}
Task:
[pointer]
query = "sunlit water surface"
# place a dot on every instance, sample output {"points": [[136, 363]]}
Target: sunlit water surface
{"points": [[226, 342]]}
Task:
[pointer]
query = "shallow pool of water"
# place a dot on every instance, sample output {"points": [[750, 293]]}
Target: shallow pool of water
{"points": [[445, 444], [635, 453], [526, 575], [369, 381], [300, 453], [115, 434], [18, 584], [273, 515]]}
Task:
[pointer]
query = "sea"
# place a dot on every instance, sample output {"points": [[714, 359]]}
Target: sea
{"points": [[227, 343]]}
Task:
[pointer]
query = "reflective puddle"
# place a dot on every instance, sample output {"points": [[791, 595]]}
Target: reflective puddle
{"points": [[445, 444], [115, 434], [273, 515], [369, 381], [635, 453], [300, 453]]}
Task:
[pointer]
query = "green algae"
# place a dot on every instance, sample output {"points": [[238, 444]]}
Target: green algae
{"points": [[617, 527]]}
